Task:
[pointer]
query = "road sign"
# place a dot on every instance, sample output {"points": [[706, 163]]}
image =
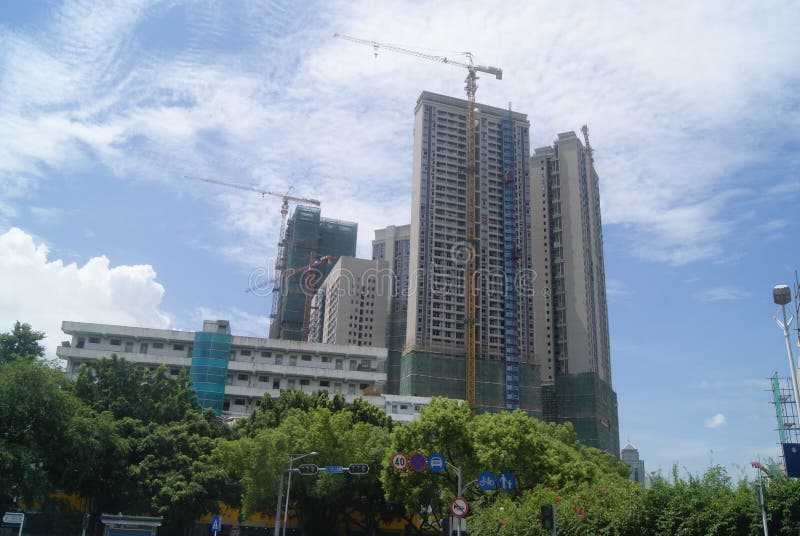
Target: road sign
{"points": [[334, 469], [399, 461], [436, 463], [506, 481], [486, 481], [307, 469], [358, 469], [417, 461], [216, 524], [459, 507], [14, 518]]}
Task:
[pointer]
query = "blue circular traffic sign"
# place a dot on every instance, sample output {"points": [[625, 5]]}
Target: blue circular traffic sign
{"points": [[486, 481], [436, 463], [417, 461], [506, 481]]}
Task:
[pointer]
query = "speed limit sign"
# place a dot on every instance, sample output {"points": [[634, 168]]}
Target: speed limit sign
{"points": [[399, 461]]}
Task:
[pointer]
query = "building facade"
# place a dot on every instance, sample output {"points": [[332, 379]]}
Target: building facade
{"points": [[393, 244], [351, 305], [231, 374], [309, 237], [630, 455], [433, 359], [571, 337]]}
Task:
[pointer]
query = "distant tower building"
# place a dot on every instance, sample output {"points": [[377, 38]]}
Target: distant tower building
{"points": [[630, 456], [308, 237], [571, 334], [393, 244], [351, 305], [434, 359]]}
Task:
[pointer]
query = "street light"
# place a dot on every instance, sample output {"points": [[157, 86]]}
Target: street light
{"points": [[782, 295], [292, 458]]}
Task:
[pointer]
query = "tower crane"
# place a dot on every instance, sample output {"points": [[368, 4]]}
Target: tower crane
{"points": [[281, 237], [472, 219]]}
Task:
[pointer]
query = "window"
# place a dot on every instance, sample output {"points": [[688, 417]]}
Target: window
{"points": [[326, 359], [229, 379], [242, 377], [278, 359], [351, 388], [353, 364], [238, 401], [337, 387], [94, 340], [158, 345], [189, 351], [305, 382], [290, 383], [174, 371], [129, 346], [246, 353], [324, 383], [403, 406], [226, 405], [293, 360], [116, 342], [264, 353], [263, 379], [276, 383], [305, 357], [339, 364], [363, 386], [365, 364], [178, 347], [81, 342]]}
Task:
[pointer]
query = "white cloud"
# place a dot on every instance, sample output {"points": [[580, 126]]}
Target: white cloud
{"points": [[44, 292], [724, 293], [716, 421]]}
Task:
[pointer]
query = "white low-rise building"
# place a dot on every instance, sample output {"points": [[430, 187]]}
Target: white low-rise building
{"points": [[231, 373]]}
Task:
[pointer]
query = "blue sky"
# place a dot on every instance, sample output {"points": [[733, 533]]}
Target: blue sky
{"points": [[693, 112]]}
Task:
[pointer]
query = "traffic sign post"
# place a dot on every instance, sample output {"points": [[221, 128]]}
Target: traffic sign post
{"points": [[399, 461], [216, 524], [334, 469], [459, 507]]}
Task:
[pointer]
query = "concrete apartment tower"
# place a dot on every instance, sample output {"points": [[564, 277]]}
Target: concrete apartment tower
{"points": [[308, 236], [433, 362], [571, 336], [393, 244], [351, 306]]}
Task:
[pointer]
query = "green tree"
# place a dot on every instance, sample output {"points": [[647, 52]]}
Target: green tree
{"points": [[20, 343], [783, 501]]}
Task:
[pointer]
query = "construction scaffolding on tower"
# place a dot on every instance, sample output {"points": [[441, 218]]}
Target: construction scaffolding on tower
{"points": [[785, 411], [308, 236]]}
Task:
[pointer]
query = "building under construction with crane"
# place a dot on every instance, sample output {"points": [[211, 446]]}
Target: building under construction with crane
{"points": [[308, 250]]}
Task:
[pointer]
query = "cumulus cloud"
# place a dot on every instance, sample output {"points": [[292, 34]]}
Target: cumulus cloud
{"points": [[716, 421], [43, 292]]}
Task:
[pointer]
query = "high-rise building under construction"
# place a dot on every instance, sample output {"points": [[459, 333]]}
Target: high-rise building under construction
{"points": [[434, 355], [571, 338], [309, 237]]}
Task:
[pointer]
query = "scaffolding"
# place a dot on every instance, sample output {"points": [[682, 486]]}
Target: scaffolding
{"points": [[510, 259], [308, 236], [785, 412]]}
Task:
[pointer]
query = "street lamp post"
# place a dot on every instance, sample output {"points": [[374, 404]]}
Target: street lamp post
{"points": [[782, 295], [292, 458]]}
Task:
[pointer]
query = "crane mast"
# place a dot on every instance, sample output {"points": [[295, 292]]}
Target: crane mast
{"points": [[472, 219]]}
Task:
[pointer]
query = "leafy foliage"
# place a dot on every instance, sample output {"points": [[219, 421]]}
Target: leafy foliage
{"points": [[21, 343]]}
